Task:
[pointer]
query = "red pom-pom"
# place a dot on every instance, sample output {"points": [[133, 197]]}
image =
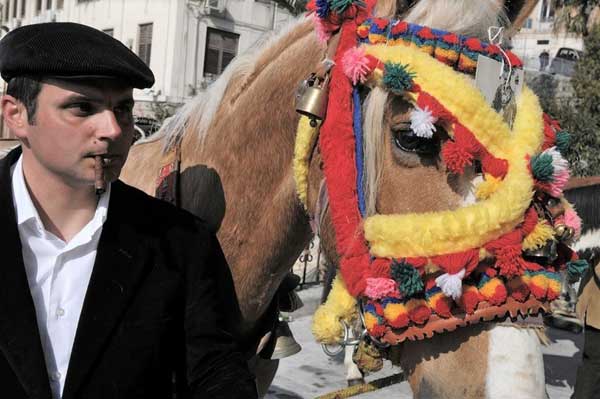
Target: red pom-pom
{"points": [[377, 331], [381, 23], [443, 307], [450, 38], [420, 312], [499, 296], [469, 300], [456, 157], [399, 28], [400, 321], [473, 44], [426, 33], [492, 49]]}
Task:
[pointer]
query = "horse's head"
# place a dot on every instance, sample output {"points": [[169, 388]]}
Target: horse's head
{"points": [[430, 188]]}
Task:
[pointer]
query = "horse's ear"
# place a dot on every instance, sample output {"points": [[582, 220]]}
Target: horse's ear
{"points": [[518, 11]]}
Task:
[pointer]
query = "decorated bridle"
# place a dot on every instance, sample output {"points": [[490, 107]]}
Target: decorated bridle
{"points": [[408, 270]]}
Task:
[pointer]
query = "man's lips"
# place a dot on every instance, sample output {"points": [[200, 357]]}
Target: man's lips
{"points": [[106, 158]]}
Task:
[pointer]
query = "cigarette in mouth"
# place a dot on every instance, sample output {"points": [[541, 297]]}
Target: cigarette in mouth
{"points": [[100, 183]]}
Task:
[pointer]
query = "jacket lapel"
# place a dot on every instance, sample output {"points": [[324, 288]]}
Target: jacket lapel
{"points": [[20, 340], [119, 267]]}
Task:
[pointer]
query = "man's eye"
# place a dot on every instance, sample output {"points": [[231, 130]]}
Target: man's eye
{"points": [[82, 108]]}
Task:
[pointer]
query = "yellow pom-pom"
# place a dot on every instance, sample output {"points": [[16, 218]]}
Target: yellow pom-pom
{"points": [[326, 327], [370, 321], [393, 310], [487, 187], [340, 306]]}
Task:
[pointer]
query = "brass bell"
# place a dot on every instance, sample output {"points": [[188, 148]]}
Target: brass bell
{"points": [[285, 344], [311, 98], [546, 254], [564, 233]]}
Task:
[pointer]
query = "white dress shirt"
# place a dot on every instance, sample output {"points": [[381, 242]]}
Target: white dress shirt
{"points": [[58, 273]]}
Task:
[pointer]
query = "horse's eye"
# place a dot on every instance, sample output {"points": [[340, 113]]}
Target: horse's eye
{"points": [[406, 140]]}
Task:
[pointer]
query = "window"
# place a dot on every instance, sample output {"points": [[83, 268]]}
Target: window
{"points": [[23, 8], [221, 48], [543, 42], [145, 42], [14, 8], [5, 10], [109, 32], [547, 11], [38, 7], [528, 23], [48, 4], [60, 4]]}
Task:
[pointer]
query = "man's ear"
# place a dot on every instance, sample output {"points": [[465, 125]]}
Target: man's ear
{"points": [[15, 115]]}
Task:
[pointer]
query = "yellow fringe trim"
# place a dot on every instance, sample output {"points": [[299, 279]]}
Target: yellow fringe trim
{"points": [[305, 139], [539, 236], [340, 306], [436, 233]]}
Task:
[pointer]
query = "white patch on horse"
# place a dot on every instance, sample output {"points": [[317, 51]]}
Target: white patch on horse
{"points": [[515, 364], [589, 240]]}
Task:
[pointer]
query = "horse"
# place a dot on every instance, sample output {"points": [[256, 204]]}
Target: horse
{"points": [[235, 146]]}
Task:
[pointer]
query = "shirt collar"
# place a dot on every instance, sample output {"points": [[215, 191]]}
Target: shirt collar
{"points": [[26, 211]]}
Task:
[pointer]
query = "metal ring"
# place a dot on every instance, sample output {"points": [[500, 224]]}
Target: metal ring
{"points": [[332, 353]]}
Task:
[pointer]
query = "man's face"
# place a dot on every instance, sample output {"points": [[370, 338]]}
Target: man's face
{"points": [[76, 121]]}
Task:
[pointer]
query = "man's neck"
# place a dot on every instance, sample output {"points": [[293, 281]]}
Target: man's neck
{"points": [[64, 209]]}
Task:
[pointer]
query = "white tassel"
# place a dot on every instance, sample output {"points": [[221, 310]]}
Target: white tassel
{"points": [[451, 284], [422, 122], [559, 163]]}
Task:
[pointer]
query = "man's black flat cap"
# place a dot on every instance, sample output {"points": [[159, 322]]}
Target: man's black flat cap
{"points": [[69, 50]]}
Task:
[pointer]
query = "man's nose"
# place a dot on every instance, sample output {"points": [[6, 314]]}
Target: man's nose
{"points": [[109, 127]]}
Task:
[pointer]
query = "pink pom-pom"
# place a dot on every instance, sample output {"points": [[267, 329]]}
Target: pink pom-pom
{"points": [[573, 220], [356, 64], [560, 180], [323, 35], [378, 288]]}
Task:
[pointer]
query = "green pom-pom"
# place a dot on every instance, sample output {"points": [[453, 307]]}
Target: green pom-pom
{"points": [[408, 278], [563, 139], [576, 268], [339, 6], [541, 167], [397, 77]]}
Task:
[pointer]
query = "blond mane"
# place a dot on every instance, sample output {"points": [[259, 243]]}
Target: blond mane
{"points": [[197, 114]]}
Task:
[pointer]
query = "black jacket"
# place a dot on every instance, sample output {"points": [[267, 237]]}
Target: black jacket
{"points": [[160, 307]]}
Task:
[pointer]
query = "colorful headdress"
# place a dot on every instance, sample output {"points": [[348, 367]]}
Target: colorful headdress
{"points": [[416, 274]]}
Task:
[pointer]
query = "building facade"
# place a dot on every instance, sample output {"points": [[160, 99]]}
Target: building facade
{"points": [[537, 35], [186, 43]]}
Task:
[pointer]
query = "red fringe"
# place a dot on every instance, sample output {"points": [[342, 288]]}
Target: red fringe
{"points": [[381, 23], [518, 290]]}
